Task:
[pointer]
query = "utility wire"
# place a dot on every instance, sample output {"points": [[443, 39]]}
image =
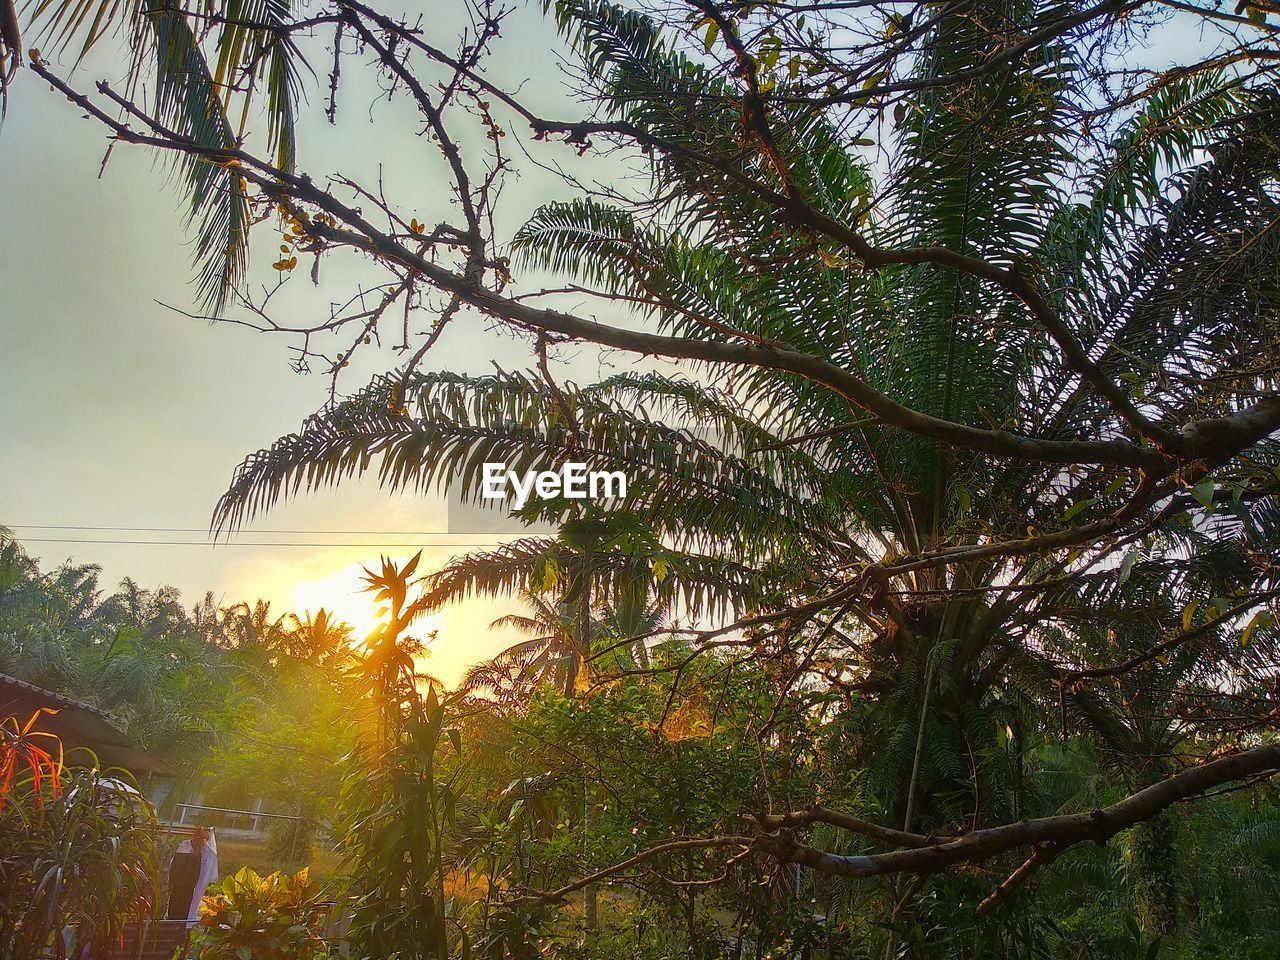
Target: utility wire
{"points": [[205, 530], [266, 543]]}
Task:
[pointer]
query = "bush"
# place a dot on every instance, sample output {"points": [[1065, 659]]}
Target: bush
{"points": [[277, 917], [77, 850]]}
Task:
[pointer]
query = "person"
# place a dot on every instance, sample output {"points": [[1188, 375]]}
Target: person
{"points": [[194, 867]]}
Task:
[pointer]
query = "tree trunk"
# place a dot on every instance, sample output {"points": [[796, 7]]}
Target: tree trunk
{"points": [[590, 900], [590, 893], [1155, 888], [591, 907], [691, 910]]}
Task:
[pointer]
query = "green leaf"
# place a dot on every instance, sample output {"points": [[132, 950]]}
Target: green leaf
{"points": [[1262, 618], [1126, 567], [709, 38], [1076, 509], [1203, 492]]}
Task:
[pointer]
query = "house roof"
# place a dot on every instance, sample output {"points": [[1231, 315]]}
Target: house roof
{"points": [[80, 725]]}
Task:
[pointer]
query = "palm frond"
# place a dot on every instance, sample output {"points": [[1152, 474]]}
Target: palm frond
{"points": [[203, 63]]}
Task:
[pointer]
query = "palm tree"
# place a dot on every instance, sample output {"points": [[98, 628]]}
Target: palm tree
{"points": [[1174, 702], [754, 491], [554, 652], [257, 637], [319, 638], [627, 629], [751, 504]]}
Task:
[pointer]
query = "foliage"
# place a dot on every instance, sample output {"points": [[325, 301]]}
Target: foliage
{"points": [[77, 857], [756, 489], [277, 917], [399, 799], [202, 74], [222, 693], [971, 466], [292, 843], [22, 745]]}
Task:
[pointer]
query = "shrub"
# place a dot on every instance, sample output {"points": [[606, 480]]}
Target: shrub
{"points": [[249, 917], [77, 849]]}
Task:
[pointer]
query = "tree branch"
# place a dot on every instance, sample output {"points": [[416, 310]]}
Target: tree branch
{"points": [[1063, 831]]}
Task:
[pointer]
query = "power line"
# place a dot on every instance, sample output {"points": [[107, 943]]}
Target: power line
{"points": [[205, 530], [265, 543]]}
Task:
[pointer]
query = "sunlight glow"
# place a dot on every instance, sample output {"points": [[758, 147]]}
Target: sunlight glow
{"points": [[332, 579], [341, 593], [462, 634]]}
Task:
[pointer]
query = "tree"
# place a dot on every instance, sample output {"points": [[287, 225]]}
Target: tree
{"points": [[319, 638], [952, 599], [224, 693], [1043, 336], [552, 653], [399, 797]]}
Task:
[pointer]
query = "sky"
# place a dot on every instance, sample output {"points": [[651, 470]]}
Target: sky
{"points": [[118, 412]]}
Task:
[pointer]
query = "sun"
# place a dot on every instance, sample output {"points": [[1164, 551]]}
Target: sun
{"points": [[342, 594], [334, 581]]}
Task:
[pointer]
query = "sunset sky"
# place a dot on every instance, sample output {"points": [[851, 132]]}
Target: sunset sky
{"points": [[117, 412]]}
